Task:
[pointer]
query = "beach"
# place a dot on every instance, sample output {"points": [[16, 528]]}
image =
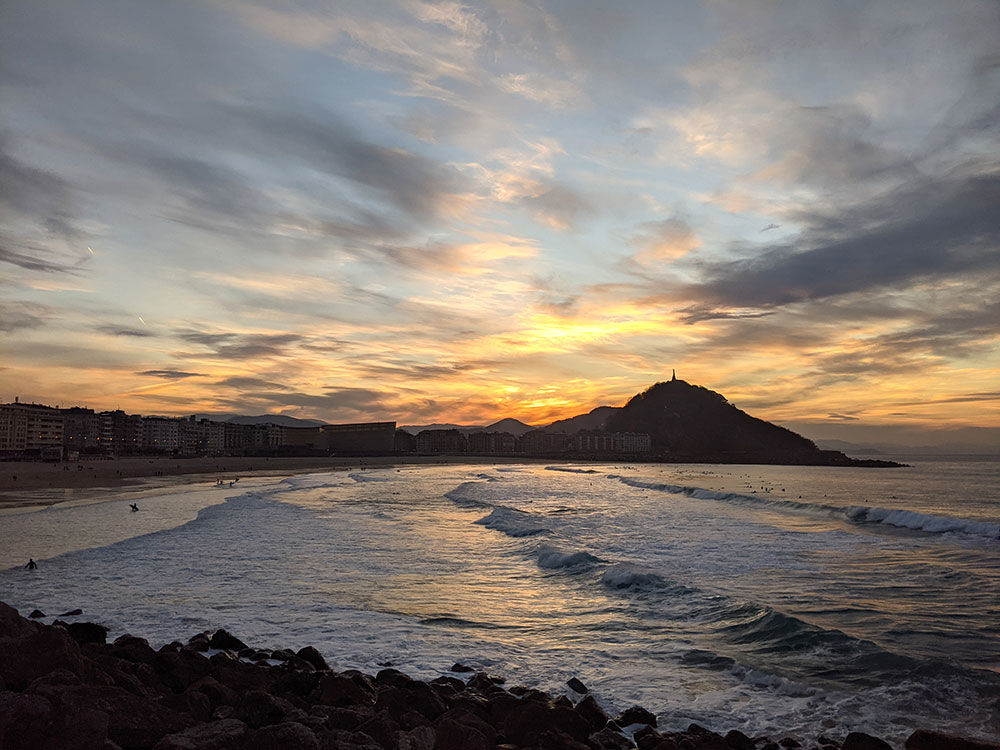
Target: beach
{"points": [[42, 483]]}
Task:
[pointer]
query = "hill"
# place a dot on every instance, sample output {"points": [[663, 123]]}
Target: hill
{"points": [[278, 419], [514, 426], [592, 420], [690, 422]]}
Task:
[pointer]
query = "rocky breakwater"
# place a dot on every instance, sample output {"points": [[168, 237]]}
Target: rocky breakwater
{"points": [[63, 687]]}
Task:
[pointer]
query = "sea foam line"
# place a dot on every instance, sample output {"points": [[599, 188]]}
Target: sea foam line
{"points": [[901, 518]]}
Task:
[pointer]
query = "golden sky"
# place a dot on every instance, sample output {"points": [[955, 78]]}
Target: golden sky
{"points": [[459, 212]]}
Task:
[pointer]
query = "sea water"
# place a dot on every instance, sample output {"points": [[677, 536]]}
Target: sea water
{"points": [[775, 600]]}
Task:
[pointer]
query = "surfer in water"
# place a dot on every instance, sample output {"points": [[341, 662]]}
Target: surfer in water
{"points": [[134, 507], [31, 564]]}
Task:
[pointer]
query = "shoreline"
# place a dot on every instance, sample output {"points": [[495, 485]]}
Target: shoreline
{"points": [[65, 686], [26, 484]]}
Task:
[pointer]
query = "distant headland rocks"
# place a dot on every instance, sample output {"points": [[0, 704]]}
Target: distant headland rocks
{"points": [[672, 421]]}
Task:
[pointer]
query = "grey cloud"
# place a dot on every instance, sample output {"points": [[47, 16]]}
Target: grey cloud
{"points": [[841, 417], [242, 382], [939, 228], [558, 204], [171, 374], [33, 203], [125, 331], [244, 345], [16, 316], [698, 313], [356, 400], [412, 183]]}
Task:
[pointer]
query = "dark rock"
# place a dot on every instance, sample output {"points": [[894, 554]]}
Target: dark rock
{"points": [[132, 721], [289, 734], [418, 697], [461, 668], [178, 669], [294, 682], [554, 739], [225, 640], [392, 677], [648, 741], [563, 701], [299, 665], [283, 654], [637, 715], [923, 739], [461, 730], [87, 632], [862, 741], [790, 743], [418, 738], [484, 683], [71, 613], [223, 712], [199, 642], [381, 728], [341, 690], [577, 686], [217, 693], [36, 652], [222, 657], [827, 742], [608, 739], [334, 717], [30, 722], [592, 713], [259, 709], [739, 741], [771, 746], [36, 613], [525, 724], [224, 734]]}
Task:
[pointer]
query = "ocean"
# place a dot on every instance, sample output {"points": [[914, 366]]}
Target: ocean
{"points": [[771, 599]]}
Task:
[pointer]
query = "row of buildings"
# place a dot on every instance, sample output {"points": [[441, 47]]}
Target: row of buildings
{"points": [[51, 433]]}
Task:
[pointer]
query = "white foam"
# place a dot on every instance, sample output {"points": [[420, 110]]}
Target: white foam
{"points": [[908, 519], [629, 577], [513, 523], [550, 557]]}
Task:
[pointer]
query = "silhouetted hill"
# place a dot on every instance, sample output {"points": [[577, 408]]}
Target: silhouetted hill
{"points": [[692, 422], [514, 426], [278, 419], [592, 420]]}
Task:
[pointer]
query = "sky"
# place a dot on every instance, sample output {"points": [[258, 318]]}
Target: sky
{"points": [[437, 211]]}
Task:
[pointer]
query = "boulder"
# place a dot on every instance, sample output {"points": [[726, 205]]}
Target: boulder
{"points": [[592, 713], [314, 657], [862, 741], [223, 639], [460, 730], [636, 715], [461, 668], [71, 613], [36, 613], [87, 632], [525, 724], [259, 709], [576, 686], [35, 651], [923, 739], [342, 690], [739, 741], [608, 739], [31, 722], [289, 734], [226, 734]]}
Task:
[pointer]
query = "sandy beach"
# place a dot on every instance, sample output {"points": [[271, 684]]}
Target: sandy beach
{"points": [[36, 483]]}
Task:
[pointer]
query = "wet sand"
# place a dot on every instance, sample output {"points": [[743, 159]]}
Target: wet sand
{"points": [[25, 483]]}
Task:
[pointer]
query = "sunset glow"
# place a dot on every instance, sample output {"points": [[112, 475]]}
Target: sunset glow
{"points": [[445, 212]]}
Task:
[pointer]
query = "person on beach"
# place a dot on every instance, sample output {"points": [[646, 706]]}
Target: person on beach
{"points": [[134, 507], [31, 564]]}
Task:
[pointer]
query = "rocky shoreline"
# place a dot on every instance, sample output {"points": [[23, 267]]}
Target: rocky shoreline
{"points": [[63, 687]]}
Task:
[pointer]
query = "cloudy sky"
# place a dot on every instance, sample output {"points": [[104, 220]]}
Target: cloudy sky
{"points": [[431, 211]]}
